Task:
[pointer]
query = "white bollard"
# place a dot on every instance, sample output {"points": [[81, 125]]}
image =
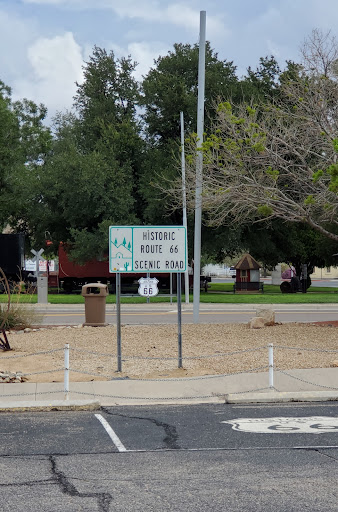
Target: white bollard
{"points": [[66, 375], [270, 365]]}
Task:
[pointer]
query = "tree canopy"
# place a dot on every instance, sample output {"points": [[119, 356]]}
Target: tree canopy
{"points": [[89, 178], [171, 86], [24, 143], [270, 154], [277, 159]]}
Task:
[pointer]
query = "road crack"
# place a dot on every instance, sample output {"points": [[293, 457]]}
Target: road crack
{"points": [[318, 450], [171, 435], [104, 499]]}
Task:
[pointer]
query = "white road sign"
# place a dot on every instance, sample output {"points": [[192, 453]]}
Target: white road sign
{"points": [[302, 425], [148, 286], [147, 249]]}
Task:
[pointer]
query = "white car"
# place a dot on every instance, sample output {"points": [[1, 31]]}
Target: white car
{"points": [[232, 272]]}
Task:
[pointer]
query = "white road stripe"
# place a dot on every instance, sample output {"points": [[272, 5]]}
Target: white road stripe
{"points": [[111, 433], [239, 449]]}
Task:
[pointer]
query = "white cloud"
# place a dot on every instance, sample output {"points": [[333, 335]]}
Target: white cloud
{"points": [[143, 53], [178, 14], [51, 2], [150, 11], [15, 34], [56, 64]]}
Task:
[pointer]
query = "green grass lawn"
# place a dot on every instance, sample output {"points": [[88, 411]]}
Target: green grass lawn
{"points": [[268, 288], [217, 293]]}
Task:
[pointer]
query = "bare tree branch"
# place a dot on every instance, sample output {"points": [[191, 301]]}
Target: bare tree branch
{"points": [[277, 160]]}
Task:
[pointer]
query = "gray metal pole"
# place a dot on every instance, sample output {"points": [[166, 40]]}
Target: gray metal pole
{"points": [[66, 373], [270, 365], [171, 287], [118, 321], [148, 277], [199, 167], [179, 320], [186, 274]]}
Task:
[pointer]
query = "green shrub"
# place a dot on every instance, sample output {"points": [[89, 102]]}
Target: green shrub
{"points": [[14, 316], [18, 317]]}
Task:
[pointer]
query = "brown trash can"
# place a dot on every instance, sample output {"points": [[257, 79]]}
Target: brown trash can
{"points": [[95, 304]]}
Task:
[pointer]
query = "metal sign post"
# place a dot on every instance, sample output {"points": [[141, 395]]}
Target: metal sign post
{"points": [[148, 277], [118, 321], [179, 319], [171, 288]]}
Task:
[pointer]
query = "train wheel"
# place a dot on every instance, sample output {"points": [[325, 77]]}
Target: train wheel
{"points": [[68, 287]]}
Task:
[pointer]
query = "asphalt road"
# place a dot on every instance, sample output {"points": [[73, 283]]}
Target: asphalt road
{"points": [[166, 314], [172, 458]]}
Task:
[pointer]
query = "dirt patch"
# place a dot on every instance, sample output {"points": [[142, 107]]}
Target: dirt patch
{"points": [[152, 351], [327, 323]]}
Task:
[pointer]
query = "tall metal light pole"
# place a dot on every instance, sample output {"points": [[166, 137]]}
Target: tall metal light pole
{"points": [[186, 274], [199, 167]]}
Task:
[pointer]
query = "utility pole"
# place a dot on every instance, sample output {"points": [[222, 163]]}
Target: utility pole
{"points": [[199, 167]]}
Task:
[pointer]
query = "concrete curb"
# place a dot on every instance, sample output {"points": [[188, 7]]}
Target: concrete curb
{"points": [[281, 397], [53, 405]]}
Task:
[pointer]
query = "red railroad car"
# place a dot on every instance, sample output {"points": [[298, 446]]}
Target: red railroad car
{"points": [[73, 276]]}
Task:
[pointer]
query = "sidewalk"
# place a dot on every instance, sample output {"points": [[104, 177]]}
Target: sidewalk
{"points": [[294, 385]]}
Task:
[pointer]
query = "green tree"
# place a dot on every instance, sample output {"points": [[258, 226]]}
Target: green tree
{"points": [[24, 144], [9, 145], [89, 179], [106, 105], [78, 195], [278, 159], [171, 86]]}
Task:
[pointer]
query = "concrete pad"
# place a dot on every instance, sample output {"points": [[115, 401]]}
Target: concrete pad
{"points": [[282, 397], [315, 379], [118, 392], [50, 391], [15, 391], [171, 391], [81, 391], [292, 385]]}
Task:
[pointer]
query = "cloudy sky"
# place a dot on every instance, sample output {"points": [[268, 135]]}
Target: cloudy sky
{"points": [[45, 42]]}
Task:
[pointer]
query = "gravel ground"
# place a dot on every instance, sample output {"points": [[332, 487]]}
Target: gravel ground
{"points": [[297, 345]]}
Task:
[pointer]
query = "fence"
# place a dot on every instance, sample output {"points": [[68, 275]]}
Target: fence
{"points": [[270, 370]]}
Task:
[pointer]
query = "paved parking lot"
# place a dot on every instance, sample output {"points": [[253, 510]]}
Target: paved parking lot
{"points": [[171, 458]]}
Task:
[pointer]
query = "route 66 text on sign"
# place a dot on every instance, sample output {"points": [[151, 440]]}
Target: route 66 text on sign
{"points": [[148, 286]]}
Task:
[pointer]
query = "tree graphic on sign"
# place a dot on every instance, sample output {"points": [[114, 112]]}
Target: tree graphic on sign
{"points": [[120, 257]]}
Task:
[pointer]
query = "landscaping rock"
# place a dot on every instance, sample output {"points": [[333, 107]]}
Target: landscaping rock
{"points": [[257, 322], [8, 377], [267, 314]]}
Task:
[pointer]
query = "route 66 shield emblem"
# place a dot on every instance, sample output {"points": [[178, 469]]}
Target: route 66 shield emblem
{"points": [[285, 425], [148, 286]]}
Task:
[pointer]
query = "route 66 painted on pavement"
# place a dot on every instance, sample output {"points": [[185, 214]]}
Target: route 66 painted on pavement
{"points": [[285, 425]]}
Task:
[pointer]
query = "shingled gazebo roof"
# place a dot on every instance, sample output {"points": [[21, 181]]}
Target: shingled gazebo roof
{"points": [[247, 262]]}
